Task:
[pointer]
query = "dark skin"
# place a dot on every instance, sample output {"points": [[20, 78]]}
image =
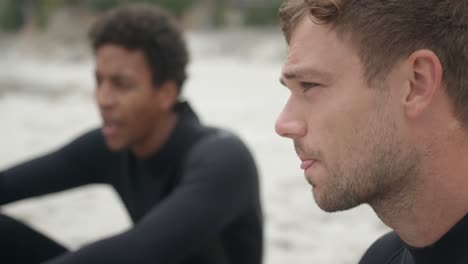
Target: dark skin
{"points": [[136, 114]]}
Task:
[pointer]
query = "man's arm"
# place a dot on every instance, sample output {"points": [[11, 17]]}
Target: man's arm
{"points": [[78, 163], [219, 183]]}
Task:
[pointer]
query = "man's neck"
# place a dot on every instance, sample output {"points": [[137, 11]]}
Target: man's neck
{"points": [[424, 210], [157, 139], [427, 219]]}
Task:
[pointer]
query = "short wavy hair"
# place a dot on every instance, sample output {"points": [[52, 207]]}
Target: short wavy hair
{"points": [[385, 31], [150, 29]]}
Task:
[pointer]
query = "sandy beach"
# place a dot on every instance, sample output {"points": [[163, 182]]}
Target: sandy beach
{"points": [[46, 100]]}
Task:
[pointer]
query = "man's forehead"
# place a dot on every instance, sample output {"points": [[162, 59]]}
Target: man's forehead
{"points": [[309, 39], [315, 50], [308, 36]]}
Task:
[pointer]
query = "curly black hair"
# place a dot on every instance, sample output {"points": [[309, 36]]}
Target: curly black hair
{"points": [[150, 29]]}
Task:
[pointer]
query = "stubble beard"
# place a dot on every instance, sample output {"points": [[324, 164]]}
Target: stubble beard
{"points": [[382, 166]]}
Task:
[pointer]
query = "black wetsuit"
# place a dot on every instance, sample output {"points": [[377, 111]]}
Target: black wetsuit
{"points": [[194, 201], [452, 248]]}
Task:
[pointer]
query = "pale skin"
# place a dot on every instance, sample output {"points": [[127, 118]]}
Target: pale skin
{"points": [[136, 114], [396, 145]]}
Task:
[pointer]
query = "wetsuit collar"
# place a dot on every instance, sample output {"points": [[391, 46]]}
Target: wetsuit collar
{"points": [[185, 129], [450, 246]]}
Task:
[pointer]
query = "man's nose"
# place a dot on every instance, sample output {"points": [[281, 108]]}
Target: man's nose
{"points": [[289, 123], [105, 98]]}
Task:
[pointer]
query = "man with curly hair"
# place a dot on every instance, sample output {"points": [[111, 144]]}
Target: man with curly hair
{"points": [[378, 113], [191, 190]]}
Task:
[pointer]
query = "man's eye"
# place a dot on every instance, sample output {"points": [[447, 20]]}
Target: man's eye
{"points": [[98, 80], [121, 84], [305, 86]]}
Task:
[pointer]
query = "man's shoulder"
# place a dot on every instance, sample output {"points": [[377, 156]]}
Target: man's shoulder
{"points": [[91, 138], [219, 140], [90, 142], [388, 249], [216, 133], [221, 149], [221, 161]]}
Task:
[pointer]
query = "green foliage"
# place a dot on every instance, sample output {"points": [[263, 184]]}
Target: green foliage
{"points": [[262, 15], [102, 5], [219, 13], [11, 15], [256, 14], [45, 9], [176, 6]]}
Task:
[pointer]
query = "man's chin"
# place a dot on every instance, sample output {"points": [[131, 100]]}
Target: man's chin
{"points": [[333, 204], [114, 145]]}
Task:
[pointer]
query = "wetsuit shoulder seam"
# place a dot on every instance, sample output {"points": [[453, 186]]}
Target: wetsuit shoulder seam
{"points": [[395, 254]]}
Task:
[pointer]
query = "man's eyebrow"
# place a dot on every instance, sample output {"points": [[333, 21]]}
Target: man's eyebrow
{"points": [[297, 73]]}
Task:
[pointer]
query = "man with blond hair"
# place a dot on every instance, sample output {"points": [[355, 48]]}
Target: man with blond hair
{"points": [[378, 113]]}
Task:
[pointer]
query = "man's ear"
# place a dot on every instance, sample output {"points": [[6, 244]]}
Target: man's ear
{"points": [[425, 80], [168, 94]]}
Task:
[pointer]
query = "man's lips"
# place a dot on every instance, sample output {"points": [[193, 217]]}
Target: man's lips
{"points": [[111, 127], [307, 164]]}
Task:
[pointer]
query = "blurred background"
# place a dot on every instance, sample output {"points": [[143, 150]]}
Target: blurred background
{"points": [[46, 87]]}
